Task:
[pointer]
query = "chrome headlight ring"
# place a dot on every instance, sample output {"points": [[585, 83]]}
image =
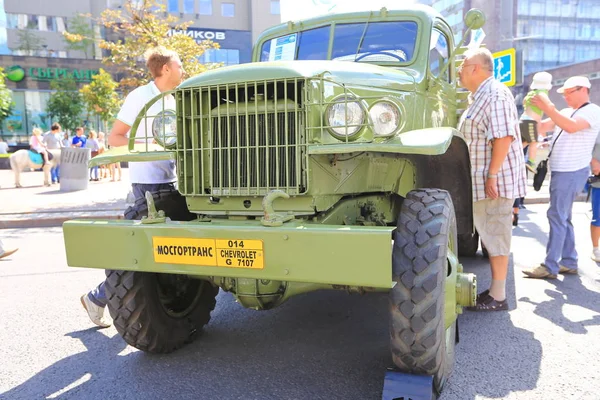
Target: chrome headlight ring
{"points": [[386, 117], [345, 117], [164, 128]]}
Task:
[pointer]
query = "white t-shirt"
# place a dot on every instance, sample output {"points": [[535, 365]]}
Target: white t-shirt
{"points": [[162, 171], [573, 151], [3, 148]]}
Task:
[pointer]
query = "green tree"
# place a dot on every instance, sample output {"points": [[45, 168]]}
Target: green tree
{"points": [[7, 104], [137, 26], [80, 25], [100, 96], [66, 103], [29, 41]]}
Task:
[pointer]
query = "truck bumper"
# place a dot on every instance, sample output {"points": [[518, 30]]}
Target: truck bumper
{"points": [[295, 252]]}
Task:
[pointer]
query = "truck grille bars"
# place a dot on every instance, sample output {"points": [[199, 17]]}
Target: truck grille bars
{"points": [[242, 139]]}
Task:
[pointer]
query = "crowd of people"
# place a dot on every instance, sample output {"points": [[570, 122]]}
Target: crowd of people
{"points": [[55, 138], [490, 126]]}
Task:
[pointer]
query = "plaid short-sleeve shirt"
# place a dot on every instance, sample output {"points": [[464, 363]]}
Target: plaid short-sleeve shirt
{"points": [[491, 115]]}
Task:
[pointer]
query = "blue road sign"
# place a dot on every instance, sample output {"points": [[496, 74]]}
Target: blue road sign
{"points": [[505, 66]]}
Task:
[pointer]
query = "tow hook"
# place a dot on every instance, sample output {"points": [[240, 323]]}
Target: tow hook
{"points": [[154, 217], [272, 218]]}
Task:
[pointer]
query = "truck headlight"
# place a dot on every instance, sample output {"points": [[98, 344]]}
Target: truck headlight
{"points": [[164, 128], [345, 117], [386, 118]]}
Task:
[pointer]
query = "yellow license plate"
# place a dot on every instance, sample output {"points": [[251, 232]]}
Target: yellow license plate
{"points": [[230, 253]]}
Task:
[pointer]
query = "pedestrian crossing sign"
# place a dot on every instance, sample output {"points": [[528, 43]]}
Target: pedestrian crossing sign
{"points": [[505, 66]]}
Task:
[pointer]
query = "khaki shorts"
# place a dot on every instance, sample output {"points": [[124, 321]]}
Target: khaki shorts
{"points": [[493, 221]]}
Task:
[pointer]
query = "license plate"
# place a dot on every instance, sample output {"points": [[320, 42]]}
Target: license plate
{"points": [[229, 253]]}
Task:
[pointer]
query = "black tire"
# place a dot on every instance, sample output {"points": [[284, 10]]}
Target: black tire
{"points": [[168, 200], [150, 311], [426, 229], [159, 313], [468, 243]]}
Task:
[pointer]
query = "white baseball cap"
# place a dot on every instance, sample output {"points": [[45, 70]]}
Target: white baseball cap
{"points": [[575, 81], [541, 80]]}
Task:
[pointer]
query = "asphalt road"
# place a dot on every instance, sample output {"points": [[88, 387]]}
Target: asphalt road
{"points": [[323, 345]]}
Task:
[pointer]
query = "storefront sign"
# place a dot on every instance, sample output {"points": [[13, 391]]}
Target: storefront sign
{"points": [[49, 74], [15, 73], [199, 35]]}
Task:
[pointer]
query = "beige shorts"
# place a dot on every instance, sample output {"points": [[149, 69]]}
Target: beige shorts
{"points": [[493, 221]]}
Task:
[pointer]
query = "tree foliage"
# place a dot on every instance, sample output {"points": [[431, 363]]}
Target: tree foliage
{"points": [[7, 104], [29, 41], [80, 25], [66, 103], [100, 96], [138, 26]]}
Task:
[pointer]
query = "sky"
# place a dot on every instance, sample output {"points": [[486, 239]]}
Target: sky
{"points": [[293, 10]]}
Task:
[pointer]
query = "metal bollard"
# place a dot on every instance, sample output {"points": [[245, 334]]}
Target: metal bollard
{"points": [[74, 173]]}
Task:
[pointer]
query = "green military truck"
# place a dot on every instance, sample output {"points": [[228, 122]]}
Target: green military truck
{"points": [[330, 162]]}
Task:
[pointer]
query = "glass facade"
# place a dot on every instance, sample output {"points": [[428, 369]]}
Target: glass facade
{"points": [[30, 113], [552, 33]]}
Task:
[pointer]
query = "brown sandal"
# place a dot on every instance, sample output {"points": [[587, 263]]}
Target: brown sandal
{"points": [[489, 304]]}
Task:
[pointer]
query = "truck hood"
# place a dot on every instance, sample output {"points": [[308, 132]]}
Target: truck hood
{"points": [[350, 73]]}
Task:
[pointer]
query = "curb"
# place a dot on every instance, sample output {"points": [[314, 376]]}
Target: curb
{"points": [[52, 221], [546, 199]]}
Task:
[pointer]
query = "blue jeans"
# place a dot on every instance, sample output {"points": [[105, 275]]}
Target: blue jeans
{"points": [[54, 174], [94, 171], [564, 187], [98, 294]]}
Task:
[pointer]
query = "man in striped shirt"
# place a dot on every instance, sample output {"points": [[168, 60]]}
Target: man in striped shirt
{"points": [[490, 128], [575, 132]]}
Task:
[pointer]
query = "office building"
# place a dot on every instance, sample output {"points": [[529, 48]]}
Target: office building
{"points": [[548, 33]]}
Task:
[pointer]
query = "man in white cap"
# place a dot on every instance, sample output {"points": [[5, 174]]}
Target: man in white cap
{"points": [[575, 132]]}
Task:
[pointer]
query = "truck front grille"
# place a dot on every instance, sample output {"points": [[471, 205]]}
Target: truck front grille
{"points": [[242, 139]]}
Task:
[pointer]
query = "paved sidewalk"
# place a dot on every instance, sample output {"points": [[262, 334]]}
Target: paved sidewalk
{"points": [[35, 205]]}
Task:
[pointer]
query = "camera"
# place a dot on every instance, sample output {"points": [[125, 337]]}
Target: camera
{"points": [[593, 179]]}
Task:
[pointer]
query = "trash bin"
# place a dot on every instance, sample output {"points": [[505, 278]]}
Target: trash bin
{"points": [[74, 168]]}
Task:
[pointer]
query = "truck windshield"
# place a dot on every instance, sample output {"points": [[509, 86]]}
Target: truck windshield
{"points": [[361, 42]]}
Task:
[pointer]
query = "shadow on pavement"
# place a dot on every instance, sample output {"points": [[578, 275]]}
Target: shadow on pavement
{"points": [[569, 292], [529, 229], [85, 367], [504, 358], [322, 345]]}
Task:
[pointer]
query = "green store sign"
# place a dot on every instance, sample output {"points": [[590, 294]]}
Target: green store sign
{"points": [[49, 74], [16, 73]]}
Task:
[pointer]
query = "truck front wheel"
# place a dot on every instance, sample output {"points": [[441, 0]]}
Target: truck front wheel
{"points": [[159, 313], [426, 230]]}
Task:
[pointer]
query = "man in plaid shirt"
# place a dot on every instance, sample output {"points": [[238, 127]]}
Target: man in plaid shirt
{"points": [[491, 129]]}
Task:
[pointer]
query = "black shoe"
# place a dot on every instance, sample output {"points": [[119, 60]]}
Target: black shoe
{"points": [[515, 221], [489, 304], [483, 295]]}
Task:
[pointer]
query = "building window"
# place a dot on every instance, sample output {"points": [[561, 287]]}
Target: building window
{"points": [[173, 6], [216, 56], [228, 9], [205, 7], [275, 7], [188, 6]]}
